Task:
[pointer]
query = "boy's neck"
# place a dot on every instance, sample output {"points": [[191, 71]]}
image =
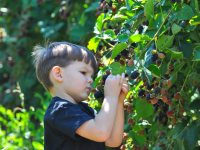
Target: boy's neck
{"points": [[63, 96]]}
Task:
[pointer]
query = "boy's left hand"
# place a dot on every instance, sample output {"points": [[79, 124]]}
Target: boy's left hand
{"points": [[124, 90]]}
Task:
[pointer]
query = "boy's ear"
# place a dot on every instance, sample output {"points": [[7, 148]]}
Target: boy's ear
{"points": [[57, 73]]}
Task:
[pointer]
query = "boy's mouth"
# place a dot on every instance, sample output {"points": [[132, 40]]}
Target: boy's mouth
{"points": [[88, 89]]}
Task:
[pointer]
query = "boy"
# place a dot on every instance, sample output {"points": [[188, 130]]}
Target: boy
{"points": [[66, 71]]}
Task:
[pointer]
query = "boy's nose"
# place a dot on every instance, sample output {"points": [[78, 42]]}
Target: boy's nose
{"points": [[90, 80]]}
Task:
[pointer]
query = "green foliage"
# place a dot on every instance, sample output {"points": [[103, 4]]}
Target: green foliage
{"points": [[160, 40], [23, 24], [27, 23], [17, 131]]}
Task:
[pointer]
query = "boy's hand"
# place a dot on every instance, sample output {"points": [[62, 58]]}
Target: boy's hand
{"points": [[113, 86], [124, 90]]}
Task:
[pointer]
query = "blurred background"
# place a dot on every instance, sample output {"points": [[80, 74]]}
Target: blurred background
{"points": [[24, 24]]}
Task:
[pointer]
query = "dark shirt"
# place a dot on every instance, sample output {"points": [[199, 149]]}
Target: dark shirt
{"points": [[61, 120]]}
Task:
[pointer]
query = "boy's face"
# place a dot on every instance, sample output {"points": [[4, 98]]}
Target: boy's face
{"points": [[77, 80]]}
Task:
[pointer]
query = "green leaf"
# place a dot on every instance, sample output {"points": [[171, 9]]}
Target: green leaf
{"points": [[134, 38], [196, 3], [173, 77], [138, 38], [117, 68], [99, 24], [129, 3], [143, 108], [178, 67], [187, 49], [177, 130], [154, 70], [197, 54], [93, 43], [37, 145], [194, 36], [176, 28], [195, 104], [164, 42], [26, 4], [149, 9], [190, 135], [123, 37], [163, 68], [109, 34], [195, 21], [118, 18], [194, 78], [179, 144], [139, 139], [185, 13], [175, 54], [147, 74], [117, 49], [92, 7]]}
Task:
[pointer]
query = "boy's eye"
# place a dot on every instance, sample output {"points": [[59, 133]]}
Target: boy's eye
{"points": [[83, 72]]}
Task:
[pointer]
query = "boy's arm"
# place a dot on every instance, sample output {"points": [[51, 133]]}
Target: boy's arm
{"points": [[100, 128], [115, 139], [117, 132]]}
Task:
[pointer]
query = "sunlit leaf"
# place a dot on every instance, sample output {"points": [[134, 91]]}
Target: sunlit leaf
{"points": [[118, 48], [143, 108], [154, 70], [93, 43], [117, 68], [149, 9], [164, 42]]}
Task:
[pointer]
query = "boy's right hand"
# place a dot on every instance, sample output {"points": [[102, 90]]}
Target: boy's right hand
{"points": [[113, 85]]}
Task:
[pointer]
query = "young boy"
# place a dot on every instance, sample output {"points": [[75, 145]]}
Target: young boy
{"points": [[66, 71]]}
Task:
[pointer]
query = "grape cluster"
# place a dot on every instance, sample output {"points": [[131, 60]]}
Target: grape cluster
{"points": [[157, 57], [99, 91]]}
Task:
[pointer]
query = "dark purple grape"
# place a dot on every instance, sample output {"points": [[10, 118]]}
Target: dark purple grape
{"points": [[141, 92], [154, 57], [140, 29], [104, 77], [134, 74], [148, 96], [98, 94], [157, 90]]}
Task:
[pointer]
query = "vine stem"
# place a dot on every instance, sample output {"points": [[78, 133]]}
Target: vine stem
{"points": [[156, 34], [108, 43], [187, 77]]}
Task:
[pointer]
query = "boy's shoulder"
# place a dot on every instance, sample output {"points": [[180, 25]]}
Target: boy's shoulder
{"points": [[87, 107], [58, 104]]}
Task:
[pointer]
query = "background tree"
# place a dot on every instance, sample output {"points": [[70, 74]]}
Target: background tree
{"points": [[23, 24], [29, 22]]}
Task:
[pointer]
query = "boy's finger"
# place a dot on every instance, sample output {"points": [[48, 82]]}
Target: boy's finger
{"points": [[124, 90], [125, 86], [125, 81], [121, 80], [123, 75], [110, 76]]}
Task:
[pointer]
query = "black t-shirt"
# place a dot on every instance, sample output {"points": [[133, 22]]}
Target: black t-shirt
{"points": [[61, 120]]}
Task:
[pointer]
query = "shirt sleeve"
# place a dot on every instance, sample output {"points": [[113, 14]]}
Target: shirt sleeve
{"points": [[92, 111], [68, 118]]}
